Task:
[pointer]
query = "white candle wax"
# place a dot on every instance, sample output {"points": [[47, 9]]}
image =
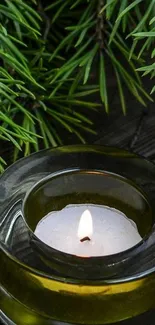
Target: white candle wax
{"points": [[88, 230]]}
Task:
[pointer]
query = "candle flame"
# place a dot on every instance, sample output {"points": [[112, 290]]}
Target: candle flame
{"points": [[85, 228]]}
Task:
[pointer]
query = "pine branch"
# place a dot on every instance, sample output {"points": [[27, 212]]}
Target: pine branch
{"points": [[47, 55], [100, 24]]}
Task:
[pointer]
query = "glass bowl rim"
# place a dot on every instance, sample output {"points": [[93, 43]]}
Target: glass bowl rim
{"points": [[62, 279], [65, 172]]}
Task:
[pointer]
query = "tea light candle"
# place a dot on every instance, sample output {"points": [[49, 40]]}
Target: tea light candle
{"points": [[88, 230]]}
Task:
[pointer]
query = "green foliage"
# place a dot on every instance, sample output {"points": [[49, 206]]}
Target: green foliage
{"points": [[48, 50]]}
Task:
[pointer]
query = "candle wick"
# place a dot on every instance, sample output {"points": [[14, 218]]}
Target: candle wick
{"points": [[84, 239]]}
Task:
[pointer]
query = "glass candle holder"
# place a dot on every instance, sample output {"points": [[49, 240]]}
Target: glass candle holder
{"points": [[77, 186], [34, 289]]}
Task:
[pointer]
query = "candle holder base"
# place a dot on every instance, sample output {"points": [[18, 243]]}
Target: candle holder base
{"points": [[32, 295], [145, 319]]}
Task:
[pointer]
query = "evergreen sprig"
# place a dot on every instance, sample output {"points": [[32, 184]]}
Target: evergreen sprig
{"points": [[48, 53]]}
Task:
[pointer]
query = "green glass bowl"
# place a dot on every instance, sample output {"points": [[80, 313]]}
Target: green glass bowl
{"points": [[30, 293], [77, 186]]}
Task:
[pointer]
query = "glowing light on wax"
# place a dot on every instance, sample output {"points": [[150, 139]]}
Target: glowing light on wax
{"points": [[88, 230]]}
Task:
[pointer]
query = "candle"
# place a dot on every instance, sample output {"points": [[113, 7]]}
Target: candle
{"points": [[88, 230]]}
